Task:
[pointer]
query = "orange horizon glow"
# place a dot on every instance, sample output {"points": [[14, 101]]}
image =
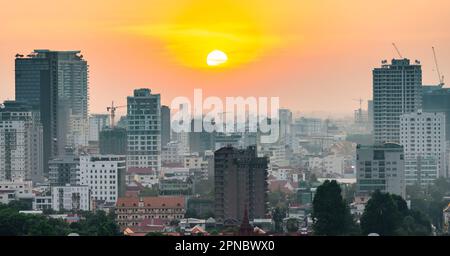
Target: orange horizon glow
{"points": [[316, 56]]}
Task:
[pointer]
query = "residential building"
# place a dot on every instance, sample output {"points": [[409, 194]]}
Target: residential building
{"points": [[380, 167], [396, 91], [240, 181], [130, 211], [165, 125], [144, 129], [15, 190], [105, 176], [55, 83], [437, 99], [64, 170], [422, 135], [21, 143], [71, 198]]}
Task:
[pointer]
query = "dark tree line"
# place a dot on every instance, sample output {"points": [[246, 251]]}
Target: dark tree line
{"points": [[384, 214], [13, 223]]}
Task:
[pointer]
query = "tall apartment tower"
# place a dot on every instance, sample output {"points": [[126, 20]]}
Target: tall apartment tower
{"points": [[380, 167], [422, 135], [396, 91], [55, 83], [165, 125], [21, 135], [144, 129], [240, 179]]}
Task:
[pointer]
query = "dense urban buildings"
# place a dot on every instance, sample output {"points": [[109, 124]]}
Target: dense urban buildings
{"points": [[396, 91], [240, 181], [144, 129], [422, 135], [21, 143], [71, 198], [55, 83], [64, 170], [380, 167], [97, 122]]}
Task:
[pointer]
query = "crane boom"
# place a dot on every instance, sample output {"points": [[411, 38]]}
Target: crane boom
{"points": [[397, 50], [113, 109], [441, 78]]}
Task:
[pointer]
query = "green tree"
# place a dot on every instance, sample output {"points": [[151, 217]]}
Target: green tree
{"points": [[388, 215], [292, 225], [331, 214], [278, 214]]}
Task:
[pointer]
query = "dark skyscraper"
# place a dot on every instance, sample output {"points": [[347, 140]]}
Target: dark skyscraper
{"points": [[165, 125], [55, 83], [240, 179], [437, 99]]}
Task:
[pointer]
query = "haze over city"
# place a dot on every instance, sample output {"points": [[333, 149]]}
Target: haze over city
{"points": [[301, 51]]}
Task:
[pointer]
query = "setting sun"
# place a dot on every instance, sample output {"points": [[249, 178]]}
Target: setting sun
{"points": [[216, 58]]}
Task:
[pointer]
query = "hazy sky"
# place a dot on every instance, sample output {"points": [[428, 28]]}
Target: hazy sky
{"points": [[314, 55]]}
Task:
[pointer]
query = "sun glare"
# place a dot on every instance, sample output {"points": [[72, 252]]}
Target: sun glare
{"points": [[216, 58]]}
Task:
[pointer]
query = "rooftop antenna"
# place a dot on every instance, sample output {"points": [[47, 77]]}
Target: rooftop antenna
{"points": [[440, 77], [398, 52]]}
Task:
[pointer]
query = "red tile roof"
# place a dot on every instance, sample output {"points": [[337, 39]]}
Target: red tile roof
{"points": [[152, 202], [138, 170]]}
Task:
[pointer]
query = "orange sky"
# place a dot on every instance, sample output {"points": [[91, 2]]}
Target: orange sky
{"points": [[314, 55]]}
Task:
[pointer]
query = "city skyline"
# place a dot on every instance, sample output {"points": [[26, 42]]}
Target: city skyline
{"points": [[163, 46]]}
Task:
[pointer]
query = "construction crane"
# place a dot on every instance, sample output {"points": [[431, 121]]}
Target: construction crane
{"points": [[112, 109], [398, 52], [440, 77]]}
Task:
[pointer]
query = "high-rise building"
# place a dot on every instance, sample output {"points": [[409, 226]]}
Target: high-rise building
{"points": [[97, 122], [200, 141], [437, 99], [396, 91], [21, 138], [165, 125], [370, 115], [113, 141], [422, 135], [285, 117], [144, 129], [55, 83], [105, 176], [380, 167], [240, 179]]}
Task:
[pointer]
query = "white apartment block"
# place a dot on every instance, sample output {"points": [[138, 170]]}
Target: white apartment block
{"points": [[21, 143], [71, 198], [422, 135], [15, 190], [105, 176]]}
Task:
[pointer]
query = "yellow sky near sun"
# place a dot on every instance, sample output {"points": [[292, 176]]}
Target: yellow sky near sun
{"points": [[204, 26]]}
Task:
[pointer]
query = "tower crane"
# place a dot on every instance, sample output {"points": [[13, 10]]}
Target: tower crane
{"points": [[397, 50], [112, 109], [440, 77]]}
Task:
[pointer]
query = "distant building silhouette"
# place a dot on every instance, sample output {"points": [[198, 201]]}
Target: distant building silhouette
{"points": [[113, 141]]}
